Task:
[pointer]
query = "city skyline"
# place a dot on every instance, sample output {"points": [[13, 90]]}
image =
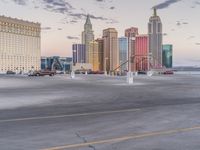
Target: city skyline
{"points": [[63, 21]]}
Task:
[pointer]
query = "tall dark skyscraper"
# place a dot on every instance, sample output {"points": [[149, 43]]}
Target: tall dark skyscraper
{"points": [[87, 36], [155, 39]]}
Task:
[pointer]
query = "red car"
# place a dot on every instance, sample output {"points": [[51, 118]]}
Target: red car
{"points": [[168, 72]]}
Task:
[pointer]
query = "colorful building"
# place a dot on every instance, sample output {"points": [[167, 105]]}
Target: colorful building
{"points": [[111, 51], [167, 55], [94, 55], [100, 52], [123, 53], [131, 32], [78, 52], [56, 63], [141, 59]]}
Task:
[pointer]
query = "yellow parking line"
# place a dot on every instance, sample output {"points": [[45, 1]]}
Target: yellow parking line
{"points": [[124, 138], [72, 115]]}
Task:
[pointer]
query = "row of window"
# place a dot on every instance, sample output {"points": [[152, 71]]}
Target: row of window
{"points": [[19, 68], [19, 29]]}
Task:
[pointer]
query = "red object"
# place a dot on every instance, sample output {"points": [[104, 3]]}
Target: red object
{"points": [[168, 72], [141, 52]]}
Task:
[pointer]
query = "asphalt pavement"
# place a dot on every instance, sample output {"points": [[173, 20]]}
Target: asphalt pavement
{"points": [[97, 112]]}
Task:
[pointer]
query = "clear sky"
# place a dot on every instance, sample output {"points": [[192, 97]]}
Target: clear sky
{"points": [[62, 22]]}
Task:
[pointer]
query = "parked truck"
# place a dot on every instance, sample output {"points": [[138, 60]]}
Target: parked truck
{"points": [[42, 73]]}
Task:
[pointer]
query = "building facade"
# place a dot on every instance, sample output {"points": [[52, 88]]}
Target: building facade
{"points": [[123, 53], [141, 59], [155, 40], [167, 55], [94, 55], [87, 36], [131, 33], [56, 63], [100, 51], [111, 51], [79, 53], [20, 45]]}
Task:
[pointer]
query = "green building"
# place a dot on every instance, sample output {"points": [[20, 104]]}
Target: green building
{"points": [[167, 55]]}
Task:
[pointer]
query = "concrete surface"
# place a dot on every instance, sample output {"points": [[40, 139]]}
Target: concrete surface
{"points": [[100, 113]]}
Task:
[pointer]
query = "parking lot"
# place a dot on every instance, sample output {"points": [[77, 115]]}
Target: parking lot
{"points": [[97, 112]]}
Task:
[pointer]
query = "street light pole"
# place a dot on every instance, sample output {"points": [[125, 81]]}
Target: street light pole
{"points": [[129, 74], [64, 67], [105, 66]]}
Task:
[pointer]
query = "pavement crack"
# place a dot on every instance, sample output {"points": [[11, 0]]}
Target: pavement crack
{"points": [[85, 141]]}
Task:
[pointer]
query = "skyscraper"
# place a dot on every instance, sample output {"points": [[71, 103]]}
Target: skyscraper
{"points": [[141, 53], [123, 53], [87, 36], [155, 39], [94, 55], [78, 51], [131, 33], [167, 55], [111, 51]]}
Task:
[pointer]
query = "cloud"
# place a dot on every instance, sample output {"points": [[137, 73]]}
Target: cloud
{"points": [[197, 2], [191, 37], [20, 2], [178, 23], [165, 34], [73, 21], [46, 28], [58, 6], [72, 38], [166, 4], [112, 7], [65, 8], [185, 23]]}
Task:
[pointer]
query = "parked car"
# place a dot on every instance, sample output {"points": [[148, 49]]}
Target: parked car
{"points": [[42, 73], [10, 72], [168, 72], [95, 72], [142, 72]]}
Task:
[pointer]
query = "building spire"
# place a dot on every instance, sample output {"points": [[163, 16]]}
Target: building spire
{"points": [[155, 12], [88, 20]]}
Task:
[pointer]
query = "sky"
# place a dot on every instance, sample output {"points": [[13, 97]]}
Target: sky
{"points": [[62, 22]]}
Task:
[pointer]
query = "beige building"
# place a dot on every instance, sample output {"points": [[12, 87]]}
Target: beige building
{"points": [[19, 45], [94, 55], [100, 52], [111, 51]]}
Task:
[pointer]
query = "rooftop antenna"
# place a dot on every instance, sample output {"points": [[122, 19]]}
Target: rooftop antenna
{"points": [[155, 11]]}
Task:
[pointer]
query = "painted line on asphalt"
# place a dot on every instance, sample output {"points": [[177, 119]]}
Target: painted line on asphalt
{"points": [[71, 115], [125, 138]]}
